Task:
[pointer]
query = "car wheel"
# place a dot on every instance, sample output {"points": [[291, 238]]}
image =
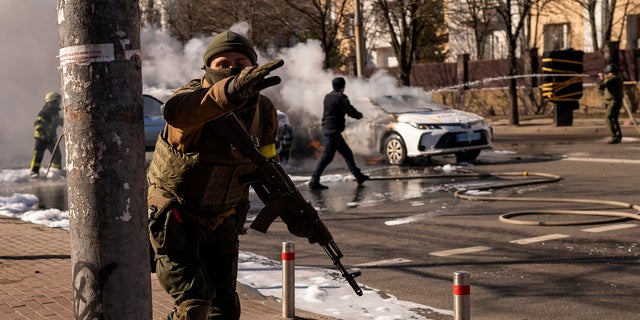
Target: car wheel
{"points": [[466, 156], [394, 150]]}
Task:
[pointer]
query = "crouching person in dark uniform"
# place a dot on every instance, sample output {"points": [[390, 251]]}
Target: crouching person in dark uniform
{"points": [[45, 133], [197, 205]]}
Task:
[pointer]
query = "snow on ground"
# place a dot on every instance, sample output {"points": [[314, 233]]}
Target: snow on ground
{"points": [[321, 291]]}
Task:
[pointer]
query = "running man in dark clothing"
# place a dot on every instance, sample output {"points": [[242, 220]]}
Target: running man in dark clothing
{"points": [[336, 106]]}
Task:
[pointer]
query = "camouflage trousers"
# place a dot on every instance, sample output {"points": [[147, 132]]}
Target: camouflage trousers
{"points": [[201, 278], [611, 119]]}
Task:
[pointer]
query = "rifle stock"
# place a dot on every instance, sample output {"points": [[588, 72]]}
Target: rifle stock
{"points": [[279, 194], [268, 214]]}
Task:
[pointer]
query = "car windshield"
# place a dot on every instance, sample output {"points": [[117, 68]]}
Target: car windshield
{"points": [[406, 103], [152, 106]]}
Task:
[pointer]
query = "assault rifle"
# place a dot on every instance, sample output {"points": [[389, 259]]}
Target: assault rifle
{"points": [[279, 194]]}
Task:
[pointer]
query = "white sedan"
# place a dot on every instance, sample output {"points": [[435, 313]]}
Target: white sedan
{"points": [[408, 126]]}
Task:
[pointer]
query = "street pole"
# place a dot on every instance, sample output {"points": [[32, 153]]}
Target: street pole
{"points": [[102, 91], [359, 40]]}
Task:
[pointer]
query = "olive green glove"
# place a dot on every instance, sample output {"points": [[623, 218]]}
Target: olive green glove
{"points": [[253, 79]]}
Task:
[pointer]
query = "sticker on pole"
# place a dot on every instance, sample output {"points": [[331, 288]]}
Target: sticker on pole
{"points": [[86, 54]]}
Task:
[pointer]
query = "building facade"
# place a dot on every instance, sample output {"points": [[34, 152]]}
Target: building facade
{"points": [[584, 25]]}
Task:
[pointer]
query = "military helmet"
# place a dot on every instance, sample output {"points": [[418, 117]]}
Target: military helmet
{"points": [[230, 41], [52, 96], [610, 68]]}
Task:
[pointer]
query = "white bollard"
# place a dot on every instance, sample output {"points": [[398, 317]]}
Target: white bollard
{"points": [[461, 296], [288, 280]]}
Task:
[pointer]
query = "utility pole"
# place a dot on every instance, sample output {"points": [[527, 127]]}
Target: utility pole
{"points": [[102, 92], [357, 25]]}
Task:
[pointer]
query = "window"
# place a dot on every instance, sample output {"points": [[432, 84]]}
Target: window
{"points": [[556, 37], [495, 46]]}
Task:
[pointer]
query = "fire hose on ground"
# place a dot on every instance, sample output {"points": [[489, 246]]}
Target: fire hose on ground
{"points": [[630, 114], [530, 179], [546, 178]]}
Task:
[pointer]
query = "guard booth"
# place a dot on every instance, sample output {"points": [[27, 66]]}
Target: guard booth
{"points": [[563, 85]]}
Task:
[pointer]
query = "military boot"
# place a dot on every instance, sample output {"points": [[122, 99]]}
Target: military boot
{"points": [[193, 309]]}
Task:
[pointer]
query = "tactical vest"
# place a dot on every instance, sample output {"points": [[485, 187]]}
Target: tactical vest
{"points": [[202, 181]]}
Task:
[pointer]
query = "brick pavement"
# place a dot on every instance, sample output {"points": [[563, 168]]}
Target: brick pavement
{"points": [[35, 279]]}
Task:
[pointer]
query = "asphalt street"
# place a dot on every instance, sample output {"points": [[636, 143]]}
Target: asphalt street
{"points": [[408, 235]]}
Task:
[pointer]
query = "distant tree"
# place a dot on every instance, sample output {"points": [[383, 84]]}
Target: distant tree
{"points": [[269, 22], [589, 7], [530, 35], [154, 13], [478, 17], [327, 23], [190, 18], [513, 14], [607, 8], [413, 27], [432, 38]]}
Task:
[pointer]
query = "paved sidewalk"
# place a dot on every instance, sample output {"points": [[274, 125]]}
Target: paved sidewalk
{"points": [[35, 279], [35, 271], [581, 126]]}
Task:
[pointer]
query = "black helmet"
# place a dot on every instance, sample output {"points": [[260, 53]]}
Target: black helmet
{"points": [[611, 68]]}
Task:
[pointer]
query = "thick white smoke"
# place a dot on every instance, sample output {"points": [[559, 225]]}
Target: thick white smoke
{"points": [[167, 64], [29, 69], [29, 66]]}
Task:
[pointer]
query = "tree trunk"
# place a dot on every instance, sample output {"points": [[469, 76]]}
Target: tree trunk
{"points": [[513, 92], [405, 75], [102, 90]]}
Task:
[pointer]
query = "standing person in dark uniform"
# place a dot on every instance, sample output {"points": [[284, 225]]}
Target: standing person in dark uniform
{"points": [[336, 106], [197, 203], [611, 87], [45, 133]]}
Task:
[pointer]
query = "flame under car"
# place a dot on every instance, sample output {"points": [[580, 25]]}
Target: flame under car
{"points": [[402, 127]]}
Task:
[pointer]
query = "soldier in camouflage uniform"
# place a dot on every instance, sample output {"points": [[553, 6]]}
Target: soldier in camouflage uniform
{"points": [[197, 205], [611, 87], [45, 133]]}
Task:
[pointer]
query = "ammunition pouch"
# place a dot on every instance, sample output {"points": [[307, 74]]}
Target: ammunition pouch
{"points": [[166, 229]]}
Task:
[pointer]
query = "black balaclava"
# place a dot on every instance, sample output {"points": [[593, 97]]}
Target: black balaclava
{"points": [[213, 76]]}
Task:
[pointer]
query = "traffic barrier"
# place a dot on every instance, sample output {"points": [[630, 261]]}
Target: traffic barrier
{"points": [[288, 280], [461, 296]]}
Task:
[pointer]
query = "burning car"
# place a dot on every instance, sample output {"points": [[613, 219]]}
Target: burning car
{"points": [[409, 126]]}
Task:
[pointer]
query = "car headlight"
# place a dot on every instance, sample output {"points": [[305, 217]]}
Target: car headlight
{"points": [[473, 123], [425, 126]]}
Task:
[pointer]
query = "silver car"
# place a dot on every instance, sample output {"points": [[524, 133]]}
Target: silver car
{"points": [[153, 120]]}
